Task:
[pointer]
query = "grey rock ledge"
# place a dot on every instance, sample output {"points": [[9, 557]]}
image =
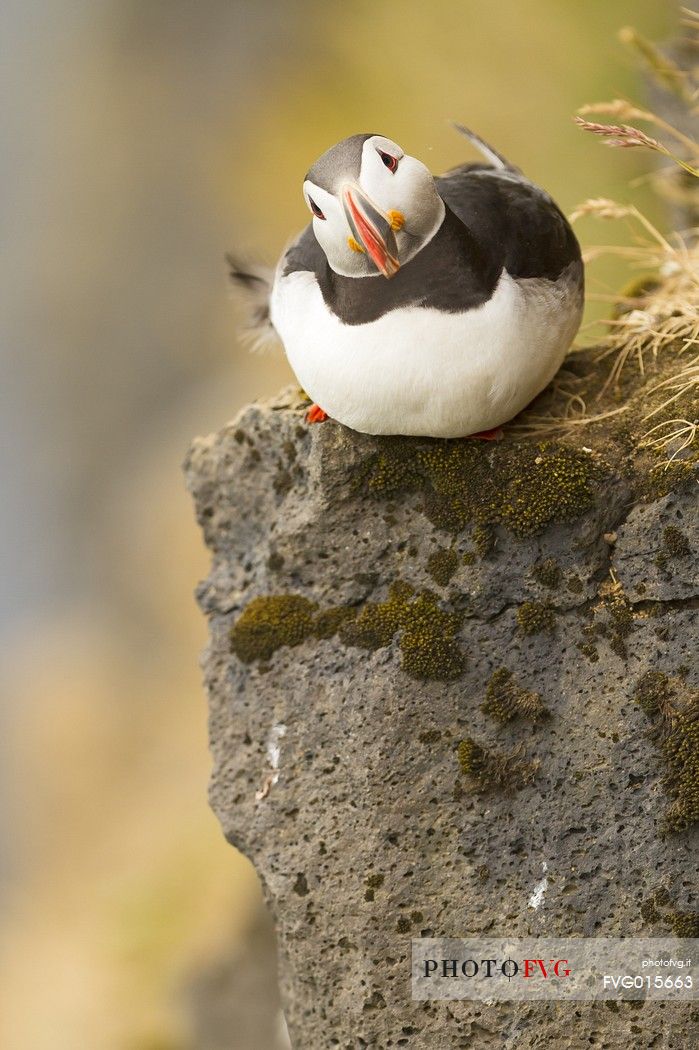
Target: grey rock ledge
{"points": [[336, 773]]}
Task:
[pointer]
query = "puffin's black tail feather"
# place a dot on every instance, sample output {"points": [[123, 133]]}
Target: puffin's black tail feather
{"points": [[255, 282], [495, 158]]}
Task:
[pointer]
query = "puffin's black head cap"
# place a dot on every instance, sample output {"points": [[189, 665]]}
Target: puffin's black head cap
{"points": [[340, 162]]}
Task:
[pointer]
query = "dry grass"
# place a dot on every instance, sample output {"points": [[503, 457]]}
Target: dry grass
{"points": [[645, 372], [681, 433], [626, 136], [681, 82], [654, 332]]}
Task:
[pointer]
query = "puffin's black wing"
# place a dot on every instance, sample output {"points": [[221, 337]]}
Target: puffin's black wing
{"points": [[495, 159], [512, 219]]}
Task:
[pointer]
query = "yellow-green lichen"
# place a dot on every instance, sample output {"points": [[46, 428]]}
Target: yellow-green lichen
{"points": [[490, 769], [506, 700], [534, 617], [547, 573], [523, 486], [441, 565], [427, 633]]}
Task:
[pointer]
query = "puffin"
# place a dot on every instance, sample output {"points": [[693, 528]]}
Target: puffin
{"points": [[421, 305]]}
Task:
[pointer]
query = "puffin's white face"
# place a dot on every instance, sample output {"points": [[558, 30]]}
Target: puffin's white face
{"points": [[373, 207]]}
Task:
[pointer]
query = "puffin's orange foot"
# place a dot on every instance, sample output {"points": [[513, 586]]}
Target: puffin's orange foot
{"points": [[316, 414], [496, 434]]}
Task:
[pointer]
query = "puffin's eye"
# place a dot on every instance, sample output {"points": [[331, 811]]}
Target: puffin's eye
{"points": [[315, 209], [388, 159]]}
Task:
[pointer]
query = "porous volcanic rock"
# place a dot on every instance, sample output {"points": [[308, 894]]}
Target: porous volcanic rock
{"points": [[363, 595]]}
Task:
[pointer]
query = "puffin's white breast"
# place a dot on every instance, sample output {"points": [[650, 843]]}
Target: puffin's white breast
{"points": [[417, 370]]}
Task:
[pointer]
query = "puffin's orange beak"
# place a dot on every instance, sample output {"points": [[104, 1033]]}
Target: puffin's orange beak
{"points": [[372, 229]]}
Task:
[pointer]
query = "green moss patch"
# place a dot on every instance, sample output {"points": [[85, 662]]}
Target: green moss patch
{"points": [[681, 751], [649, 912], [328, 622], [675, 542], [620, 622], [490, 769], [378, 622], [269, 623], [674, 711], [659, 908], [548, 573], [506, 700], [427, 633], [589, 650], [685, 923], [653, 693], [483, 538], [613, 621], [534, 617], [522, 486], [442, 565]]}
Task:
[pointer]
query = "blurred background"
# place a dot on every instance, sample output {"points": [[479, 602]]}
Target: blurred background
{"points": [[140, 140]]}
